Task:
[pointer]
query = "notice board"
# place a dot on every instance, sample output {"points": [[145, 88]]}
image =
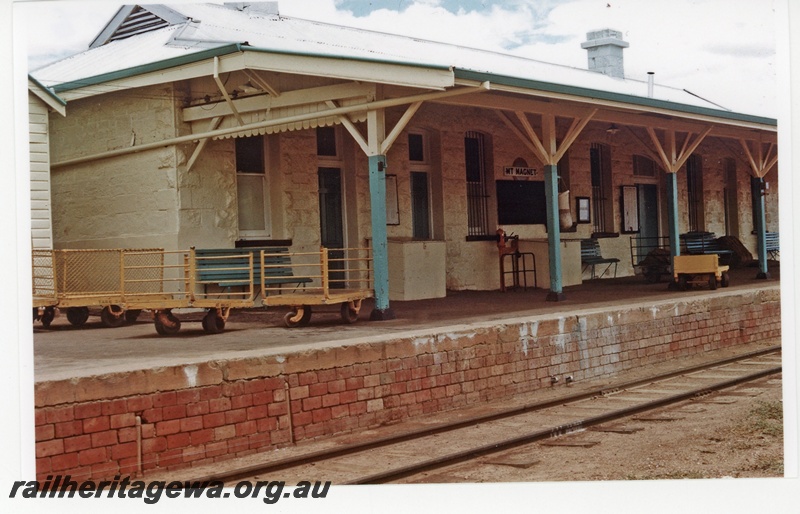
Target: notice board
{"points": [[521, 202]]}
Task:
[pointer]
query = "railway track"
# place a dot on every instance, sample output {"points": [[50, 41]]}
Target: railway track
{"points": [[405, 455]]}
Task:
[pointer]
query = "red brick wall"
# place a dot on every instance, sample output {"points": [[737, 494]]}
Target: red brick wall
{"points": [[179, 416]]}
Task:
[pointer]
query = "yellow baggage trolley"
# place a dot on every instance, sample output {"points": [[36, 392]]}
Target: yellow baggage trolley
{"points": [[123, 282], [699, 270], [331, 276], [77, 280], [43, 285], [181, 284]]}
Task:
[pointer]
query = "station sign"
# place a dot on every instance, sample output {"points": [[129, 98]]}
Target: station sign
{"points": [[519, 171]]}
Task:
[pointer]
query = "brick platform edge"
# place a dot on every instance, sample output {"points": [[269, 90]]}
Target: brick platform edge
{"points": [[175, 417]]}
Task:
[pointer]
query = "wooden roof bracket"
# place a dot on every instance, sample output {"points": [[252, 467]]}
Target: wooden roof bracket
{"points": [[765, 161], [263, 84], [670, 157], [202, 143], [224, 92], [387, 141], [536, 145]]}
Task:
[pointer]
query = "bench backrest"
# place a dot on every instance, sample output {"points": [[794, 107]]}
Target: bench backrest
{"points": [[698, 242], [590, 248], [232, 264], [772, 240]]}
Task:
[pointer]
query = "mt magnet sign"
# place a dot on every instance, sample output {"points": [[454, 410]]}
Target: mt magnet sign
{"points": [[519, 171]]}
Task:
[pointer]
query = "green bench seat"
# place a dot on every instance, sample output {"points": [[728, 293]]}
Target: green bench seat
{"points": [[702, 243], [591, 257], [773, 246], [230, 267]]}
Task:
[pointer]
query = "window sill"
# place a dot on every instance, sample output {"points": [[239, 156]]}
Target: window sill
{"points": [[492, 238], [249, 243]]}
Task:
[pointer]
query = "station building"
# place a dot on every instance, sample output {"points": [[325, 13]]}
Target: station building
{"points": [[231, 125], [223, 126]]}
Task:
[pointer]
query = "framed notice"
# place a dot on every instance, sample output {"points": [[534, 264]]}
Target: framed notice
{"points": [[392, 207], [583, 208], [630, 210]]}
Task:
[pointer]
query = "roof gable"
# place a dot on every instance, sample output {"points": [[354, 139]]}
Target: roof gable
{"points": [[46, 95], [132, 20]]}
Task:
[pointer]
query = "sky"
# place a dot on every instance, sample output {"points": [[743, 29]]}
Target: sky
{"points": [[721, 50]]}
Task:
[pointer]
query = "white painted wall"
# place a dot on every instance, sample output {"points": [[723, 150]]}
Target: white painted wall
{"points": [[41, 219]]}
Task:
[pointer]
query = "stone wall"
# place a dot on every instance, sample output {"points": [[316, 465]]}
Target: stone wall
{"points": [[129, 201]]}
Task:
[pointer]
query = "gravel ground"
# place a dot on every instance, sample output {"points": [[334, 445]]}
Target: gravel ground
{"points": [[735, 433]]}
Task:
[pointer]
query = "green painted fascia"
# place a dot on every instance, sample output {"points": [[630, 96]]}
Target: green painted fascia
{"points": [[609, 96], [208, 54], [151, 67], [47, 90]]}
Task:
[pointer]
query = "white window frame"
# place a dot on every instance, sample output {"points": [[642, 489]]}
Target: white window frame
{"points": [[267, 232], [423, 166]]}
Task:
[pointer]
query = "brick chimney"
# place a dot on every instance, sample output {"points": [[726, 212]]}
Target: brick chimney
{"points": [[604, 49]]}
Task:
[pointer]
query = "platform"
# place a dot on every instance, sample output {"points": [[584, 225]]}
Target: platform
{"points": [[197, 398]]}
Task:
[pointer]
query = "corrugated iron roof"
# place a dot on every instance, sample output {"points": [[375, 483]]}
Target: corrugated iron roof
{"points": [[212, 25]]}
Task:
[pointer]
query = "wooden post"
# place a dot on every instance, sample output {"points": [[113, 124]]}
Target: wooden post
{"points": [[380, 252], [760, 222], [556, 293]]}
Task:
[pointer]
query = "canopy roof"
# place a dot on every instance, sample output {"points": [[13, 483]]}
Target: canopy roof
{"points": [[142, 39]]}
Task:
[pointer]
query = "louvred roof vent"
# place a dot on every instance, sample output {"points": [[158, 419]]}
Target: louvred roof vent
{"points": [[132, 20]]}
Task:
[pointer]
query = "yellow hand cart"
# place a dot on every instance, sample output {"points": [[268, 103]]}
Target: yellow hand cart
{"points": [[121, 283], [699, 270], [330, 276]]}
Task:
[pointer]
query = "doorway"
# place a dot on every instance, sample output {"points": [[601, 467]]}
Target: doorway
{"points": [[648, 217], [331, 223]]}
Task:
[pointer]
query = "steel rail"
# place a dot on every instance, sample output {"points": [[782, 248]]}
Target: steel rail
{"points": [[470, 454], [327, 454]]}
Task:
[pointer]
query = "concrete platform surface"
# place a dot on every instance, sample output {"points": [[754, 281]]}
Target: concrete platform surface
{"points": [[63, 351]]}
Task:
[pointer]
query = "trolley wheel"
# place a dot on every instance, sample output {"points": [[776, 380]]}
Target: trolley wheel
{"points": [[712, 282], [166, 323], [112, 316], [77, 316], [213, 323], [132, 315], [48, 316], [298, 317], [682, 282], [348, 315], [725, 279]]}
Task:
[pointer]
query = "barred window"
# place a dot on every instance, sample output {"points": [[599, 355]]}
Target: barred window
{"points": [[694, 190], [602, 204], [477, 196]]}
